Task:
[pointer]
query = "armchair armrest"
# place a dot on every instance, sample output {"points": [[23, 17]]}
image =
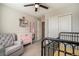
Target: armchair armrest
{"points": [[18, 42], [21, 41], [2, 50]]}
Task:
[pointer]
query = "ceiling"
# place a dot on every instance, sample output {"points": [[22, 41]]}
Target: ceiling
{"points": [[41, 11]]}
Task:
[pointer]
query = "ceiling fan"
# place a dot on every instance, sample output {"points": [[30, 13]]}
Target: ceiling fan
{"points": [[36, 5]]}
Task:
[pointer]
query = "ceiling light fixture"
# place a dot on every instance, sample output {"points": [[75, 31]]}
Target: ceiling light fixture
{"points": [[36, 6]]}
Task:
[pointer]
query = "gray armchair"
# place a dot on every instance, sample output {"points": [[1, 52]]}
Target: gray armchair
{"points": [[10, 46]]}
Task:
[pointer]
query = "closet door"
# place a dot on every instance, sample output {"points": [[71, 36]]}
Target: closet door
{"points": [[53, 27], [65, 23]]}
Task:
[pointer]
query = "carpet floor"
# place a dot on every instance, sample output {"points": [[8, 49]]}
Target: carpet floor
{"points": [[33, 49]]}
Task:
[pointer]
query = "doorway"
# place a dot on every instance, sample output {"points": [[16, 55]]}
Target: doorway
{"points": [[43, 30]]}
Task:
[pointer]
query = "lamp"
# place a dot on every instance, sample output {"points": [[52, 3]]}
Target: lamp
{"points": [[36, 6]]}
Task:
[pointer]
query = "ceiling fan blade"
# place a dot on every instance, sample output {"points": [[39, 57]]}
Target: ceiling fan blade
{"points": [[37, 3], [43, 6], [28, 5], [36, 9]]}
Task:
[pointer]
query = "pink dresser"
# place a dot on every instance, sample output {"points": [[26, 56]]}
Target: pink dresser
{"points": [[27, 38]]}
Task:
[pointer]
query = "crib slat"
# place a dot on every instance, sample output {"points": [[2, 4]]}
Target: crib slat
{"points": [[65, 49], [44, 51], [77, 40], [58, 49], [73, 49], [48, 51], [53, 49]]}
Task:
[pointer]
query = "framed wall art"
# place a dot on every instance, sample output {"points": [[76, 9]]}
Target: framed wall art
{"points": [[23, 22]]}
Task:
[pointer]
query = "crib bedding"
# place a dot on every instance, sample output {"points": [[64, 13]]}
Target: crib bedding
{"points": [[68, 49]]}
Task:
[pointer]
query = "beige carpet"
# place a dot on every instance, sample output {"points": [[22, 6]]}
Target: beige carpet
{"points": [[33, 49]]}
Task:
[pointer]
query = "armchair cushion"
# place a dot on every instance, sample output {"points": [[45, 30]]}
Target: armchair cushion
{"points": [[18, 42], [13, 49]]}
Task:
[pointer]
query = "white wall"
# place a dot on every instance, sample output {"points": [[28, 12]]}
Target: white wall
{"points": [[74, 10], [0, 16], [10, 21]]}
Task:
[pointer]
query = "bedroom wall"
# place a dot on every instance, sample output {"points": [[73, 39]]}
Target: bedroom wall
{"points": [[10, 21], [0, 17]]}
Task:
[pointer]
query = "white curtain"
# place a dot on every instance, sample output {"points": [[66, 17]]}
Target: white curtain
{"points": [[53, 27], [65, 23], [58, 24]]}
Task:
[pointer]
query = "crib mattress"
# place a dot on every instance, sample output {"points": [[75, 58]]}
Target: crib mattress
{"points": [[69, 50]]}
